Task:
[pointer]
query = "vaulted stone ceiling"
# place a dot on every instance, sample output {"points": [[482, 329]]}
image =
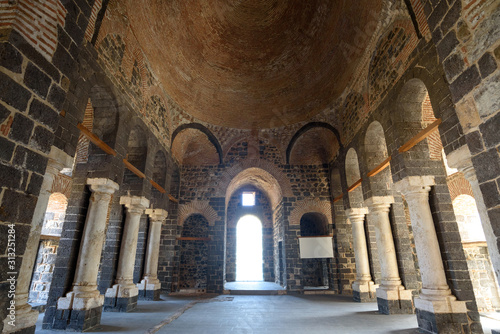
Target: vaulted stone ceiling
{"points": [[252, 63]]}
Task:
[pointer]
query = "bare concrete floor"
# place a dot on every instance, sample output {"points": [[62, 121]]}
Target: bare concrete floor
{"points": [[258, 314]]}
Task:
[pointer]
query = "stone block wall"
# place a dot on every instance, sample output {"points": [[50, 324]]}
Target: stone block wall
{"points": [[483, 277], [43, 271], [193, 259]]}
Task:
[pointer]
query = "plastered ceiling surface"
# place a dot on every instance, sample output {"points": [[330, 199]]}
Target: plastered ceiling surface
{"points": [[253, 63]]}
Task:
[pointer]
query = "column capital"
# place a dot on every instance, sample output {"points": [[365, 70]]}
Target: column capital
{"points": [[379, 203], [415, 184], [134, 204], [102, 185], [157, 215], [356, 214]]}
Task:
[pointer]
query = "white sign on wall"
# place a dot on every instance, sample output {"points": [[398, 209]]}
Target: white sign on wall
{"points": [[316, 247]]}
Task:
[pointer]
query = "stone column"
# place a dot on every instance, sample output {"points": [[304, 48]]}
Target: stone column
{"points": [[461, 159], [122, 296], [363, 287], [26, 317], [435, 304], [149, 287], [392, 298], [84, 300]]}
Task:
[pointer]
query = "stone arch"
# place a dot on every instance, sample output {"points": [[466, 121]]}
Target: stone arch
{"points": [[204, 130], [281, 180], [106, 116], [353, 175], [307, 206], [458, 185], [137, 147], [197, 207], [160, 177], [55, 214], [415, 111], [62, 184], [335, 183], [306, 128], [375, 151]]}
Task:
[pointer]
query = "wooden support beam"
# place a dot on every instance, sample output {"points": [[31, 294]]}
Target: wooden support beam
{"points": [[193, 239], [133, 169], [157, 186], [172, 198], [380, 167], [338, 198], [94, 139], [49, 237], [420, 136], [354, 185]]}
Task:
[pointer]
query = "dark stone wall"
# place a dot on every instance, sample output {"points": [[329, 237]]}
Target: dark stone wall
{"points": [[193, 254]]}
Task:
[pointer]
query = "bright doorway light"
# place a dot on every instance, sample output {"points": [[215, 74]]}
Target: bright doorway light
{"points": [[249, 249]]}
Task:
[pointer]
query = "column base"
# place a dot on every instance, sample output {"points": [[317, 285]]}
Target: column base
{"points": [[78, 311], [27, 330], [394, 300], [24, 321], [77, 320], [149, 289], [121, 298], [442, 316], [149, 294], [364, 291]]}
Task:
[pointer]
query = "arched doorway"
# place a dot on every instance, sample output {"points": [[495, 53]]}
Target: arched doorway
{"points": [[249, 249]]}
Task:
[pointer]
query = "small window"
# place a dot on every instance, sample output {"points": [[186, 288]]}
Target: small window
{"points": [[248, 199]]}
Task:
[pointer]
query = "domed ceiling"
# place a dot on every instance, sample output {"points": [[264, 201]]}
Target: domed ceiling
{"points": [[253, 63]]}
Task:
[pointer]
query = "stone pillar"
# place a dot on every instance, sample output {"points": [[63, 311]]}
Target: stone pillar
{"points": [[122, 297], [461, 159], [363, 287], [150, 286], [437, 309], [26, 317], [82, 307], [392, 298]]}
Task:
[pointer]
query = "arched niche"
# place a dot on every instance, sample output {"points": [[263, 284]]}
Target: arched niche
{"points": [[195, 144], [352, 176], [193, 254], [313, 224], [137, 152], [375, 153], [314, 271], [106, 116], [414, 112], [160, 177]]}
